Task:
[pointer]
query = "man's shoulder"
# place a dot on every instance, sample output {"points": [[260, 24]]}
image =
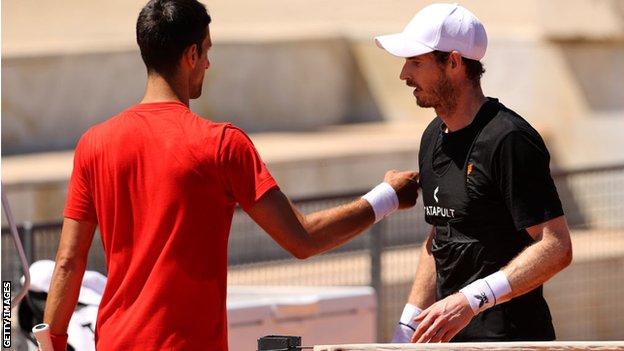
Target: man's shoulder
{"points": [[190, 121], [433, 126], [506, 122], [431, 130]]}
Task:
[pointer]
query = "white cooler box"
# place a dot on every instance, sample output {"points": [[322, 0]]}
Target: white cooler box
{"points": [[320, 315]]}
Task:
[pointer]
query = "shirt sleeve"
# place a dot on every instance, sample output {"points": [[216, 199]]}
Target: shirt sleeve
{"points": [[246, 176], [522, 171], [80, 205]]}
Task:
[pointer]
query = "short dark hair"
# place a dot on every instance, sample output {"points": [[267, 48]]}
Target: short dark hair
{"points": [[474, 68], [165, 28]]}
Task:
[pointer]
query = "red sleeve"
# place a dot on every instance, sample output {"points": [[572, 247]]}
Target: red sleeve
{"points": [[245, 175], [79, 205]]}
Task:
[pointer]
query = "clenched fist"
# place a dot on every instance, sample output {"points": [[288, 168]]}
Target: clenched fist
{"points": [[405, 184]]}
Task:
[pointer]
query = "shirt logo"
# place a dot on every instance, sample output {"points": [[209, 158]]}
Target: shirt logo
{"points": [[469, 169], [437, 210]]}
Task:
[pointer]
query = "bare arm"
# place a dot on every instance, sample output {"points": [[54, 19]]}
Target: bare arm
{"points": [[305, 236], [308, 235], [423, 292], [71, 262], [551, 252]]}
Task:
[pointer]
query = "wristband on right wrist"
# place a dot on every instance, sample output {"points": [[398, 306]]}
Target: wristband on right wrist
{"points": [[383, 199], [407, 326], [409, 313]]}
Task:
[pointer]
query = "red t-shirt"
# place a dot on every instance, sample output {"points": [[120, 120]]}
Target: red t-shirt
{"points": [[162, 183]]}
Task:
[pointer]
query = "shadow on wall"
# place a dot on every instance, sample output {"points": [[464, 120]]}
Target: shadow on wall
{"points": [[286, 86], [49, 101], [597, 68]]}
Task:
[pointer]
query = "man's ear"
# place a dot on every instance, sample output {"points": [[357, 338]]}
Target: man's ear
{"points": [[190, 56], [455, 64], [455, 60]]}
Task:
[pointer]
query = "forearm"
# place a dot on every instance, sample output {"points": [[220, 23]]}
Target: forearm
{"points": [[423, 292], [550, 253], [71, 262], [63, 294], [536, 264], [333, 227], [308, 235]]}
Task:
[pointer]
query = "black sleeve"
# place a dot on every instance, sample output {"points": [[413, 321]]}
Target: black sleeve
{"points": [[521, 170]]}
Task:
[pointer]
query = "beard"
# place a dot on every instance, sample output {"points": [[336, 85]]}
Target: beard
{"points": [[442, 96]]}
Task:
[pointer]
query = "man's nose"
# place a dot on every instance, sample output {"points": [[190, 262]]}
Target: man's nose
{"points": [[404, 75]]}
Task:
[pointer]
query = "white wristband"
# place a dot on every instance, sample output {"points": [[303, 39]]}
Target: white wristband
{"points": [[487, 292], [406, 327], [383, 199]]}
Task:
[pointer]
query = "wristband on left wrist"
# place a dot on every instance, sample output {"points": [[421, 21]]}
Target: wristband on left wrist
{"points": [[487, 292]]}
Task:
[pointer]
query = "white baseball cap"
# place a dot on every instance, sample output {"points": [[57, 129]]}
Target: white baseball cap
{"points": [[443, 27]]}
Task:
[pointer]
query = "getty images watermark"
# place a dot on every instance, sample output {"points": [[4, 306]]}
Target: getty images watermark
{"points": [[6, 314]]}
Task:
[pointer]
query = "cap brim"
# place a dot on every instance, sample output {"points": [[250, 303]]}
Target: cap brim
{"points": [[399, 45]]}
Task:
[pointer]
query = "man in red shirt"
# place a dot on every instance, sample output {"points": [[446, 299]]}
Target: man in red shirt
{"points": [[162, 184]]}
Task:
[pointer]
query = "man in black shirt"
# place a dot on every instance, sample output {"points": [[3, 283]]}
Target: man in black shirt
{"points": [[498, 229]]}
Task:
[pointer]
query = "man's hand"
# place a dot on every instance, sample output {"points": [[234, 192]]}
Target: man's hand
{"points": [[405, 184], [443, 320]]}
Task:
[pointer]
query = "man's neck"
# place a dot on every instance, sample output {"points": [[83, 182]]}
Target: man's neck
{"points": [[159, 89], [469, 101]]}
